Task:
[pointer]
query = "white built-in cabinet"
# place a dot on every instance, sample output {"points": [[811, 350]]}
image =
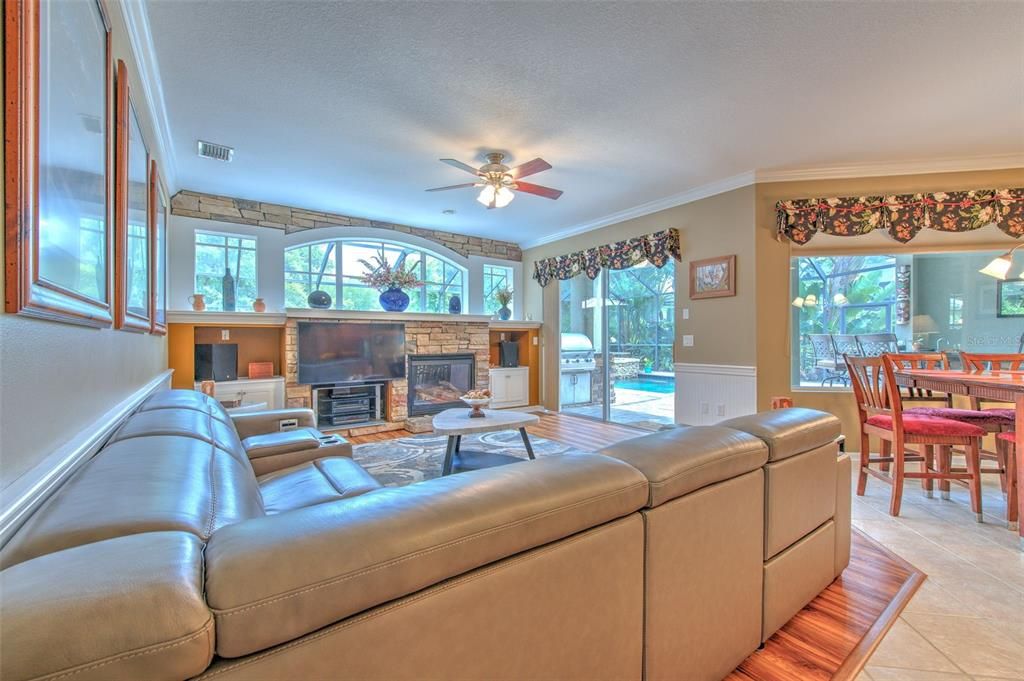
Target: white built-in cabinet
{"points": [[248, 392], [510, 387]]}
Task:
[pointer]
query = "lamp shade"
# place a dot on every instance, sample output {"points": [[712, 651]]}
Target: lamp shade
{"points": [[810, 300], [798, 302], [999, 267], [923, 323], [839, 299], [486, 195]]}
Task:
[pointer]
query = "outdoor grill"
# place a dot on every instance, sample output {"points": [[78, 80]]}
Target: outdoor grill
{"points": [[577, 353]]}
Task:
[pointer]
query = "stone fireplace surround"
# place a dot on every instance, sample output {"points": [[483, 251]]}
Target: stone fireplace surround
{"points": [[422, 337]]}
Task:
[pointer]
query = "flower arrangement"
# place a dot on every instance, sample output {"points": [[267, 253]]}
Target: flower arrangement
{"points": [[503, 296], [382, 276]]}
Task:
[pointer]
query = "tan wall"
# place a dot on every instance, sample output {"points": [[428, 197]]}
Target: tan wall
{"points": [[722, 327], [57, 379], [773, 260]]}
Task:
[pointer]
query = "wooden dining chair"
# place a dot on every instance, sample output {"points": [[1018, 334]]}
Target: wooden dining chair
{"points": [[880, 408], [1008, 440]]}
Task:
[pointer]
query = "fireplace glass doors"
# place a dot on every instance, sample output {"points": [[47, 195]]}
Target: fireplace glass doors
{"points": [[436, 382]]}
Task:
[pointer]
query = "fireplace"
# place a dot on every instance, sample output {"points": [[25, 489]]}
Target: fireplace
{"points": [[437, 381]]}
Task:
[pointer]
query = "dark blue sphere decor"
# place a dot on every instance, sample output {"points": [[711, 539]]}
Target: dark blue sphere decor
{"points": [[320, 300], [455, 305], [394, 300]]}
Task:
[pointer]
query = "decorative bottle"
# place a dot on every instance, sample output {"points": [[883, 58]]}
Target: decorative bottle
{"points": [[228, 290]]}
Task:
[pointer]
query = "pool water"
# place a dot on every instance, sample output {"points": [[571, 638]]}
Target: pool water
{"points": [[651, 385]]}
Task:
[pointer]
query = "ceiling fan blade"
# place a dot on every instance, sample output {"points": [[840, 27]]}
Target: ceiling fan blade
{"points": [[529, 168], [460, 165], [453, 186], [546, 192]]}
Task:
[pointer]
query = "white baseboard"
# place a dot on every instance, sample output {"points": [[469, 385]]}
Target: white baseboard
{"points": [[24, 495], [709, 393]]}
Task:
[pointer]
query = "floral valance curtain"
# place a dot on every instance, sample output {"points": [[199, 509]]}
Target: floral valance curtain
{"points": [[902, 215], [655, 248]]}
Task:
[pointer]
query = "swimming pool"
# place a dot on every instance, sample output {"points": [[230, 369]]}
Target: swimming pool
{"points": [[651, 384]]}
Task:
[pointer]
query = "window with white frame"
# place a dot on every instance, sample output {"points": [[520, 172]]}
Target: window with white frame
{"points": [[337, 267], [216, 254], [496, 278]]}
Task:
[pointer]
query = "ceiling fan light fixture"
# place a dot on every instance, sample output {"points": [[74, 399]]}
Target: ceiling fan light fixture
{"points": [[503, 197], [486, 195]]}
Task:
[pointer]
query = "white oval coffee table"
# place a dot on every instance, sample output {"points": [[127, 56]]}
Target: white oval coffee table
{"points": [[456, 422]]}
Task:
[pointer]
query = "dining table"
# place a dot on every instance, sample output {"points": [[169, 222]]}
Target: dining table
{"points": [[999, 386]]}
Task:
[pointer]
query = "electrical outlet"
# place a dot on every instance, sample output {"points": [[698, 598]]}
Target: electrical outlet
{"points": [[721, 410], [225, 334], [687, 341], [704, 408]]}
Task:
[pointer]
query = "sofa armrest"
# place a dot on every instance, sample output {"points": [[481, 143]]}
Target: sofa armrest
{"points": [[273, 579], [124, 608], [262, 422]]}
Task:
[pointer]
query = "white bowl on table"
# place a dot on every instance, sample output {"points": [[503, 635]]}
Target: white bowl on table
{"points": [[477, 403]]}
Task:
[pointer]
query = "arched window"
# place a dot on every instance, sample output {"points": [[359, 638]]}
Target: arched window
{"points": [[334, 266]]}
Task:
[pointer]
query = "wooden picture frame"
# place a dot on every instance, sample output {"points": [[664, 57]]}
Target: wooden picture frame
{"points": [[713, 277], [125, 316], [45, 273], [1001, 286], [159, 206]]}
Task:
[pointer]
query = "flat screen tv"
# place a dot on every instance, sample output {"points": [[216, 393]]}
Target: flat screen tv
{"points": [[346, 352]]}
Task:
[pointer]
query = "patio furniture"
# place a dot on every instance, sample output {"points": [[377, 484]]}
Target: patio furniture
{"points": [[825, 357], [846, 344], [880, 408], [871, 344]]}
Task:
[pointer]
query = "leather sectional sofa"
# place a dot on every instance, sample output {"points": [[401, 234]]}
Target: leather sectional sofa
{"points": [[671, 556]]}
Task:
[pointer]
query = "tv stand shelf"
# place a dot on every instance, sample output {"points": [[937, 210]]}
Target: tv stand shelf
{"points": [[345, 405]]}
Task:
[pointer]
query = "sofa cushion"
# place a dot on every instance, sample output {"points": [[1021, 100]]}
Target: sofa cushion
{"points": [[142, 484], [915, 424], [681, 460], [186, 399], [184, 423], [281, 442], [788, 432], [124, 608], [314, 482]]}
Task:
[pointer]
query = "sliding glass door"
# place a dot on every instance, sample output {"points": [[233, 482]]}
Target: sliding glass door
{"points": [[616, 349]]}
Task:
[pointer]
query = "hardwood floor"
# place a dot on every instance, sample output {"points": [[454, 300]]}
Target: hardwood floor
{"points": [[832, 637]]}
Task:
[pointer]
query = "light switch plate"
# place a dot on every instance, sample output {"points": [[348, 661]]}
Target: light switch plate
{"points": [[225, 334], [688, 341], [686, 313]]}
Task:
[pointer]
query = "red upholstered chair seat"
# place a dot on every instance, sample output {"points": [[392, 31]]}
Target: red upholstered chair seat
{"points": [[986, 418], [918, 424], [1009, 437]]}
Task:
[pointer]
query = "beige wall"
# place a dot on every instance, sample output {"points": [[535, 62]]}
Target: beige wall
{"points": [[57, 379], [773, 259], [723, 328]]}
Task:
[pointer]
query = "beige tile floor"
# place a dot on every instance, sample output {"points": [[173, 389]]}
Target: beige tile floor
{"points": [[967, 620]]}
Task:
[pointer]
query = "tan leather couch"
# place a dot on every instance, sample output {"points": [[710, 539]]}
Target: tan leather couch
{"points": [[168, 557]]}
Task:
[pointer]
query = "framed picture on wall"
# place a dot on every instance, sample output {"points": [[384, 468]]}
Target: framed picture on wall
{"points": [[1010, 298], [158, 249], [57, 147], [133, 310], [713, 277]]}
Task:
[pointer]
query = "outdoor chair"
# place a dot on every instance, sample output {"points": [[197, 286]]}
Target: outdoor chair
{"points": [[873, 344]]}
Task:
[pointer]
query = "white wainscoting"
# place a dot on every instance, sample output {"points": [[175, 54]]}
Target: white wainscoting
{"points": [[709, 393], [25, 494]]}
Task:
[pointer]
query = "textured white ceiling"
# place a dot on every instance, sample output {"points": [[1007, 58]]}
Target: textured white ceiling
{"points": [[346, 106]]}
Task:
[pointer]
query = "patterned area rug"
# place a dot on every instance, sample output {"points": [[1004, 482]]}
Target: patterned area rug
{"points": [[411, 459]]}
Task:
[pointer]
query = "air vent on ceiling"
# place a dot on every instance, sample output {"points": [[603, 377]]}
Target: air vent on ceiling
{"points": [[217, 152]]}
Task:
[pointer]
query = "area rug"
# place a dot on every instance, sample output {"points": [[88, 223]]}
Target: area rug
{"points": [[411, 459]]}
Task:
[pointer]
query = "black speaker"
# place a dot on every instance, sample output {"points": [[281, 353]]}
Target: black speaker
{"points": [[508, 354], [216, 361]]}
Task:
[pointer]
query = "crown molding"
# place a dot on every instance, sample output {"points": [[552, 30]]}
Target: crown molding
{"points": [[689, 196], [921, 167], [141, 38]]}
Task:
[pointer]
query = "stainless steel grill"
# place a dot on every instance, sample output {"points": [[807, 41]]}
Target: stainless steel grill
{"points": [[577, 353]]}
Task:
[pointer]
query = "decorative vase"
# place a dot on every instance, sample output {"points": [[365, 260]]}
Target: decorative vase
{"points": [[321, 300], [455, 305], [394, 299], [228, 290], [197, 302], [504, 314], [259, 306]]}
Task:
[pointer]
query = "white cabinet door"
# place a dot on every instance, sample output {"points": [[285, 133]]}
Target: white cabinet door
{"points": [[499, 388], [510, 387]]}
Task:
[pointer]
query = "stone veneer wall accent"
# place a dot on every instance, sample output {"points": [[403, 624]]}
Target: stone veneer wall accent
{"points": [[259, 214], [421, 338]]}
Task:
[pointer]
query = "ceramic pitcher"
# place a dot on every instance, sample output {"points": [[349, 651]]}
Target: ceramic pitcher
{"points": [[198, 304]]}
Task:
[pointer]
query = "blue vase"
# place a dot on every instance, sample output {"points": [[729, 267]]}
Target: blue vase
{"points": [[504, 314], [394, 300], [455, 305]]}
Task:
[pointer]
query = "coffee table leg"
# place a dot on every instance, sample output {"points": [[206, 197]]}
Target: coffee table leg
{"points": [[526, 441], [449, 453]]}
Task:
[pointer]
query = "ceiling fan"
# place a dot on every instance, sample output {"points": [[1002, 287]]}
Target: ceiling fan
{"points": [[499, 181]]}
